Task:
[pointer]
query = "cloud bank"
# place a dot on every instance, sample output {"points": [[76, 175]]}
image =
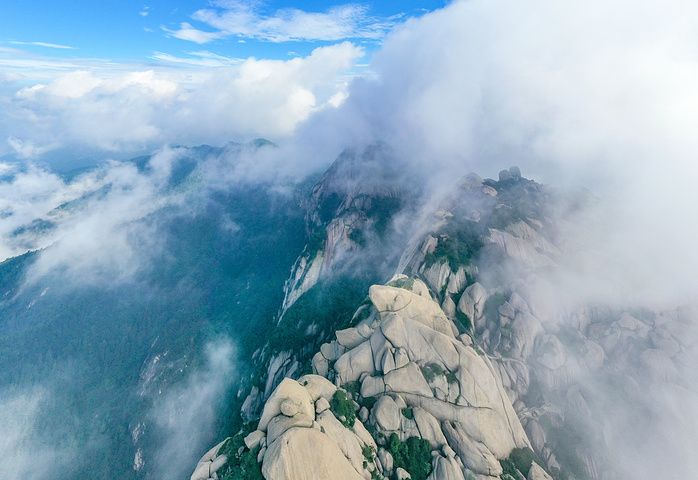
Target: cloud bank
{"points": [[141, 110]]}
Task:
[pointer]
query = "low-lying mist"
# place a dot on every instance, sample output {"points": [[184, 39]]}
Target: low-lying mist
{"points": [[598, 94]]}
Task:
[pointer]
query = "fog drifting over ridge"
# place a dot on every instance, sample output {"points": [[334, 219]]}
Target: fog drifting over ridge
{"points": [[599, 94], [602, 94]]}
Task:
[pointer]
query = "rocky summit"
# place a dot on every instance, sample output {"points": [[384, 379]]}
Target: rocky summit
{"points": [[465, 365]]}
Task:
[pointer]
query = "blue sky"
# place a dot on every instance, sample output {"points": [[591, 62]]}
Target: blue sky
{"points": [[190, 32]]}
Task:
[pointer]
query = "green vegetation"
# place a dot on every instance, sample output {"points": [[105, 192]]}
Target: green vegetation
{"points": [[369, 452], [520, 459], [405, 283], [381, 212], [492, 304], [357, 236], [431, 370], [327, 209], [368, 402], [242, 466], [459, 242], [463, 322], [316, 242], [353, 388], [408, 413], [414, 455], [343, 408], [329, 303], [217, 271], [451, 377]]}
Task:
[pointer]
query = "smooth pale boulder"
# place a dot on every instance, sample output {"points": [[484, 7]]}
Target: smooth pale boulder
{"points": [[321, 405], [386, 414], [475, 455], [386, 459], [419, 342], [304, 454], [525, 330], [352, 364], [437, 275], [290, 407], [218, 463], [449, 308], [321, 366], [537, 473], [429, 427], [372, 386], [288, 389], [519, 249], [280, 424], [472, 302], [348, 443], [402, 474], [445, 469], [202, 471], [409, 306], [421, 289], [213, 453], [253, 439], [457, 281], [317, 387], [408, 379], [349, 338]]}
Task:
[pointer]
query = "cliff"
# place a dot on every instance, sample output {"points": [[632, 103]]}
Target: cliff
{"points": [[467, 364]]}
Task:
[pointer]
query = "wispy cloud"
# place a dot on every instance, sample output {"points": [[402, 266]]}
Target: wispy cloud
{"points": [[187, 32], [200, 59], [233, 18], [145, 11], [44, 44]]}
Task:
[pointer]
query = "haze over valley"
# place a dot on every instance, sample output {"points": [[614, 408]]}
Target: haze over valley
{"points": [[448, 240]]}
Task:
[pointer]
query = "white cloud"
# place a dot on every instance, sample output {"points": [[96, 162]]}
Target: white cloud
{"points": [[245, 19], [186, 416], [200, 59], [44, 44], [187, 32], [145, 109]]}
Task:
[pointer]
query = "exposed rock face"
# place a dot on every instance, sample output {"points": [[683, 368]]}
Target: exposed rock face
{"points": [[410, 306], [516, 380], [209, 464], [306, 453]]}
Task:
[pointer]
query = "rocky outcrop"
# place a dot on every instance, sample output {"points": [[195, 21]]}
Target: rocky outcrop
{"points": [[210, 463], [486, 365]]}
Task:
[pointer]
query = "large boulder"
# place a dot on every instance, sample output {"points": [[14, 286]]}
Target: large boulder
{"points": [[407, 379], [445, 469], [472, 302], [352, 364], [386, 414], [475, 455], [317, 387], [306, 453], [291, 390], [348, 443], [537, 473], [519, 249], [281, 423], [418, 342], [409, 306], [429, 427], [525, 330]]}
